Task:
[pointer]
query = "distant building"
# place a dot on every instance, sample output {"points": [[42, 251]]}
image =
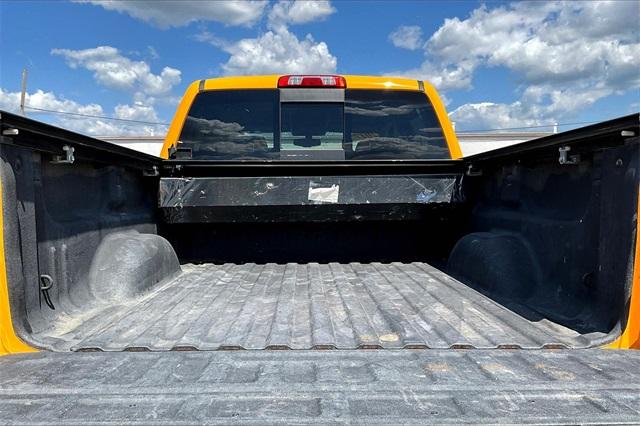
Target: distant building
{"points": [[147, 144], [471, 143], [474, 143]]}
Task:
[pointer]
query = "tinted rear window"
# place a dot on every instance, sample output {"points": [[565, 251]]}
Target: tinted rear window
{"points": [[392, 124], [232, 125], [369, 125]]}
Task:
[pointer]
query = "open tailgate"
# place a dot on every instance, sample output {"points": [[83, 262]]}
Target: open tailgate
{"points": [[331, 386]]}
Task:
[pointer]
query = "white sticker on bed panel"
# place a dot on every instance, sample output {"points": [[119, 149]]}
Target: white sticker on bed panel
{"points": [[324, 195]]}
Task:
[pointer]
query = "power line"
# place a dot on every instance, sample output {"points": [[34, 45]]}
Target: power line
{"points": [[527, 127], [102, 117], [157, 123]]}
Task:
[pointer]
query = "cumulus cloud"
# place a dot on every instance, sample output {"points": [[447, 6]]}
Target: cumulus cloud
{"points": [[567, 55], [10, 101], [489, 115], [113, 70], [538, 106], [214, 40], [137, 111], [278, 52], [443, 76], [548, 41], [407, 37], [299, 12], [165, 14]]}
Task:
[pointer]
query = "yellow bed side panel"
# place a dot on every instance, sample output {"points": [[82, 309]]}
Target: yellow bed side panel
{"points": [[9, 342], [630, 337]]}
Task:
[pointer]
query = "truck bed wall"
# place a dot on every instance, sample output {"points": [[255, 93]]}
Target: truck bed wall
{"points": [[558, 238], [430, 238], [55, 218]]}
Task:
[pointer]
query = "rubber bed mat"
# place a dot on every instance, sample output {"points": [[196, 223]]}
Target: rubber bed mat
{"points": [[322, 387], [307, 306]]}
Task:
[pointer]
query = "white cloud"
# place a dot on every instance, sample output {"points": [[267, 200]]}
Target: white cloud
{"points": [[489, 115], [567, 55], [538, 106], [137, 111], [407, 37], [207, 37], [299, 12], [115, 71], [442, 76], [278, 52], [112, 70], [165, 14], [10, 101]]}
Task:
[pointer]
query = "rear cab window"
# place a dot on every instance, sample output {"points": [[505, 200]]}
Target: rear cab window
{"points": [[359, 124]]}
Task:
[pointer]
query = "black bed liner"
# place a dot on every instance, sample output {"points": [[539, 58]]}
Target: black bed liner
{"points": [[329, 387], [307, 306]]}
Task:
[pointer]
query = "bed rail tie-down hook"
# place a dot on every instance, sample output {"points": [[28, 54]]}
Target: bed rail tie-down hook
{"points": [[67, 158], [565, 158]]}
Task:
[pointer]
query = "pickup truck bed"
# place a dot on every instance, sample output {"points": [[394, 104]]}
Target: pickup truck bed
{"points": [[307, 306], [114, 250], [329, 387], [447, 291]]}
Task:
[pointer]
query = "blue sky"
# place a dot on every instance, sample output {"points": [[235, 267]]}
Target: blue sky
{"points": [[497, 64]]}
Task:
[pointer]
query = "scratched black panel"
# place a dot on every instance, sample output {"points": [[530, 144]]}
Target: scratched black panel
{"points": [[270, 191]]}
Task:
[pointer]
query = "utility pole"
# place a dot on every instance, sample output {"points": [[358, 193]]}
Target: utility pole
{"points": [[24, 91]]}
